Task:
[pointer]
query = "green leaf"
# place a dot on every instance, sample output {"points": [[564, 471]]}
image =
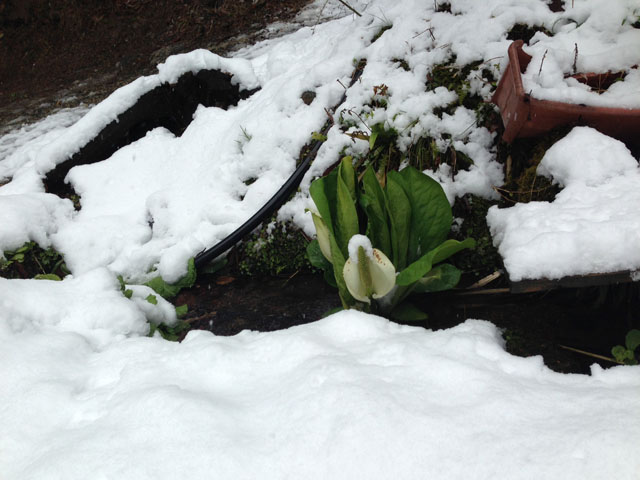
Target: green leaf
{"points": [[346, 224], [372, 138], [318, 260], [323, 191], [332, 311], [315, 255], [18, 257], [167, 290], [338, 267], [400, 212], [128, 293], [152, 299], [620, 353], [372, 201], [441, 277], [214, 266], [318, 136], [422, 266], [632, 339], [431, 213], [182, 310], [48, 276], [408, 313], [347, 174]]}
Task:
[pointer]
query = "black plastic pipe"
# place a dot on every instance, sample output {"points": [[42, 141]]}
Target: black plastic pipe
{"points": [[266, 211], [276, 201]]}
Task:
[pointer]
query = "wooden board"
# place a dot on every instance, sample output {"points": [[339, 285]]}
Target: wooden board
{"points": [[577, 281]]}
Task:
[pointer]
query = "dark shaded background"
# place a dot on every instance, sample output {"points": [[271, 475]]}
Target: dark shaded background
{"points": [[47, 45]]}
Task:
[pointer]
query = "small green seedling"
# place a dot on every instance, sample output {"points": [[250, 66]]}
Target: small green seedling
{"points": [[627, 354]]}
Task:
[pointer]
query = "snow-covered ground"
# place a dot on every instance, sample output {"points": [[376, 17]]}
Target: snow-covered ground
{"points": [[353, 396], [592, 226], [83, 392]]}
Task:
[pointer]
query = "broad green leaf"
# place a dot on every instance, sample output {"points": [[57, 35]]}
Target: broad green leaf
{"points": [[190, 278], [399, 210], [48, 276], [372, 201], [152, 299], [318, 260], [451, 247], [182, 310], [441, 277], [408, 313], [315, 255], [338, 266], [348, 175], [632, 339], [330, 277], [430, 212], [128, 293], [422, 266], [322, 235], [167, 290], [346, 223], [323, 191]]}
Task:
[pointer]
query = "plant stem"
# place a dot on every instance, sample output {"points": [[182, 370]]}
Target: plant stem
{"points": [[350, 7]]}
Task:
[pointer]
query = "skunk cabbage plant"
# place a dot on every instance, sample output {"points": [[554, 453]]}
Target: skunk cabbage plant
{"points": [[379, 244]]}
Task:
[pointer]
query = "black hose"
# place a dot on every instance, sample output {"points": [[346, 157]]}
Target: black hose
{"points": [[265, 212], [276, 201]]}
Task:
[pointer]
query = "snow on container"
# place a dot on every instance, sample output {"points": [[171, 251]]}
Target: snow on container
{"points": [[526, 116]]}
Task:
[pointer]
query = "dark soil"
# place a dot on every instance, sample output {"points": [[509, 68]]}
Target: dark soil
{"points": [[88, 48], [590, 319]]}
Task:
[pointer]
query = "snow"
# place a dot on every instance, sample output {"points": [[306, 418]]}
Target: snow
{"points": [[355, 243], [21, 145], [351, 396], [86, 394], [605, 40], [592, 226]]}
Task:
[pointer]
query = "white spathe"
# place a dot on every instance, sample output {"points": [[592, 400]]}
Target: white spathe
{"points": [[367, 272]]}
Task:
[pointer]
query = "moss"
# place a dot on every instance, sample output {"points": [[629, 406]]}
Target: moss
{"points": [[402, 63], [456, 79], [274, 251], [522, 158], [379, 33], [424, 153], [484, 259]]}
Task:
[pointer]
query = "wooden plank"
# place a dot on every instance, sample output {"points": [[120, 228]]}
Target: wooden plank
{"points": [[575, 281]]}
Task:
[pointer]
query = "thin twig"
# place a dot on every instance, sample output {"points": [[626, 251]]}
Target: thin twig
{"points": [[313, 30], [350, 7], [542, 62], [575, 59], [486, 280], [589, 354]]}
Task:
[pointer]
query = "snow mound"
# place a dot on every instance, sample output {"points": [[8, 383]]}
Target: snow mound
{"points": [[351, 396], [593, 225]]}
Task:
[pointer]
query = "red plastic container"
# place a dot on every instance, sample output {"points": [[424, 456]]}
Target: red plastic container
{"points": [[526, 116]]}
